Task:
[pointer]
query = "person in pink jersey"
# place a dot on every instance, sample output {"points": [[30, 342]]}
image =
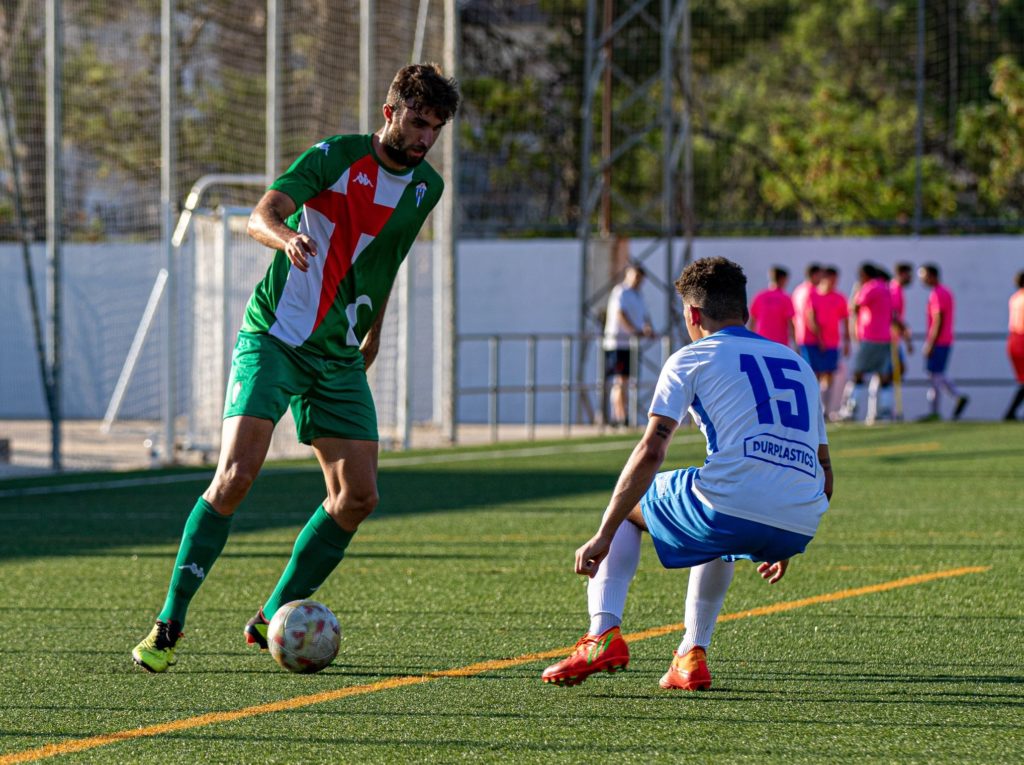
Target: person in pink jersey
{"points": [[904, 276], [832, 312], [939, 342], [805, 325], [771, 310], [871, 314], [1015, 344], [901, 338]]}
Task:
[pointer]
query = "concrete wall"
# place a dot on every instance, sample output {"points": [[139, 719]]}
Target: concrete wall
{"points": [[504, 287], [534, 286]]}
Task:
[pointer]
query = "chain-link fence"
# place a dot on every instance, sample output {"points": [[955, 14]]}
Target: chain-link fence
{"points": [[803, 114]]}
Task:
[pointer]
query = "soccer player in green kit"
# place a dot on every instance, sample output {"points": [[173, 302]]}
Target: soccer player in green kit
{"points": [[342, 219]]}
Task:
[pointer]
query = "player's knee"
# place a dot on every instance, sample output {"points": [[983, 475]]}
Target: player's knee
{"points": [[229, 487], [354, 505]]}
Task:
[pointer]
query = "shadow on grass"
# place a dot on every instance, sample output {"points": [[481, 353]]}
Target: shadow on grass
{"points": [[89, 522]]}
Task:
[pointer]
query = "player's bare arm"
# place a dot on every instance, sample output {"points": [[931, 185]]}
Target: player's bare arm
{"points": [[933, 335], [826, 467], [636, 477], [624, 320], [267, 226], [371, 341]]}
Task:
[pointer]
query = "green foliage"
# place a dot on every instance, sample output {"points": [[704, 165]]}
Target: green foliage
{"points": [[991, 138]]}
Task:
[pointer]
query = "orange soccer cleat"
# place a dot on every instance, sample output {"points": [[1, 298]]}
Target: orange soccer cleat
{"points": [[688, 672], [593, 653]]}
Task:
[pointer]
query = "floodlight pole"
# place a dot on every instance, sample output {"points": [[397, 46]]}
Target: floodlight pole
{"points": [[54, 216], [273, 148], [367, 56], [919, 119], [445, 234], [167, 154]]}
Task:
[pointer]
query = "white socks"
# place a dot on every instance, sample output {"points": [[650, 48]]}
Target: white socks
{"points": [[607, 590], [705, 594]]}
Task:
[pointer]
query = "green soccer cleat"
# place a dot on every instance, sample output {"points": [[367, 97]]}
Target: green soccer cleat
{"points": [[156, 652], [256, 631]]}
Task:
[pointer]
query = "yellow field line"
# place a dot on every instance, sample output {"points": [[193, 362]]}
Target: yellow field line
{"points": [[881, 451], [213, 718]]}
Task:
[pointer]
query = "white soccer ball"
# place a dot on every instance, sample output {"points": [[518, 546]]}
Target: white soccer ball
{"points": [[304, 636]]}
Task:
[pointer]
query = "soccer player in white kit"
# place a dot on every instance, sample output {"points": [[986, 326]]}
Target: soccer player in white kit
{"points": [[759, 495]]}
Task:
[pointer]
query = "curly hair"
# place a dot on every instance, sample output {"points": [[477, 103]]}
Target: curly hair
{"points": [[423, 86], [715, 285]]}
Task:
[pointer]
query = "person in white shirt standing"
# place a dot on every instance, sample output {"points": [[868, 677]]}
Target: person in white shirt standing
{"points": [[626, 318], [759, 495]]}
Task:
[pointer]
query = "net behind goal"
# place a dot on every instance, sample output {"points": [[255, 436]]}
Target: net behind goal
{"points": [[227, 264]]}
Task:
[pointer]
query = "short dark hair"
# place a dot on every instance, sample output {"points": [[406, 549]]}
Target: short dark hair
{"points": [[812, 269], [715, 285], [777, 273], [904, 268], [831, 271], [931, 269], [1020, 279], [635, 266], [869, 270], [424, 87]]}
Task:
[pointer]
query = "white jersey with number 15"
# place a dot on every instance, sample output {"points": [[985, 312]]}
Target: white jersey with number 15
{"points": [[758, 405]]}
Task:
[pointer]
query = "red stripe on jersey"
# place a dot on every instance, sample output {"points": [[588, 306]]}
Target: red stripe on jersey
{"points": [[353, 213]]}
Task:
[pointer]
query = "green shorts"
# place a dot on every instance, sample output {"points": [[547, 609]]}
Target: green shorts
{"points": [[328, 397]]}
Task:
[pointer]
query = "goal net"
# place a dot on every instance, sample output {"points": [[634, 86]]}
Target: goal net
{"points": [[225, 267]]}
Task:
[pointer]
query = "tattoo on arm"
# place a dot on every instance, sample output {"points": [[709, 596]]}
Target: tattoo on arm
{"points": [[662, 431]]}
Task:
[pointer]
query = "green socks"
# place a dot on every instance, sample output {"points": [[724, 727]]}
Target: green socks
{"points": [[205, 533], [318, 550]]}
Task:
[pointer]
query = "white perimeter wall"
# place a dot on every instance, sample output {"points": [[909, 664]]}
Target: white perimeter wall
{"points": [[504, 287], [534, 286]]}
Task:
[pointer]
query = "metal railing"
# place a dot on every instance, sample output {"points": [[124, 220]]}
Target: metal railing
{"points": [[575, 398], [575, 393]]}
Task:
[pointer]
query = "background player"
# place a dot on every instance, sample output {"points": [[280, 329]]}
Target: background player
{"points": [[771, 310], [833, 327], [342, 220], [759, 495], [938, 343], [626, 318], [1015, 344], [871, 314], [805, 322]]}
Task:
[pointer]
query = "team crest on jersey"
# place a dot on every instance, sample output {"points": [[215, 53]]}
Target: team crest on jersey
{"points": [[323, 146], [421, 191]]}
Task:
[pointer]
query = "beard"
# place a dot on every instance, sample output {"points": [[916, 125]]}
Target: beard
{"points": [[397, 151]]}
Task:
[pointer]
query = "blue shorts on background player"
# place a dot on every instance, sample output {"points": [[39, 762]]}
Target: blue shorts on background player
{"points": [[759, 495]]}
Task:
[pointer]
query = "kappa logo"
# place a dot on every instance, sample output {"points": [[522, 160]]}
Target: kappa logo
{"points": [[364, 180], [323, 146], [195, 569], [421, 191]]}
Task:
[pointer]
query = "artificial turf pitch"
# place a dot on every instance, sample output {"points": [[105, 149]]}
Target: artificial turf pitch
{"points": [[452, 594]]}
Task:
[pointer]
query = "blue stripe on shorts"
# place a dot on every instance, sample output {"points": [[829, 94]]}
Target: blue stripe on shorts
{"points": [[686, 532]]}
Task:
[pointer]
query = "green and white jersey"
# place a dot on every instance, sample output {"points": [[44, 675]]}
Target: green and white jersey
{"points": [[363, 218]]}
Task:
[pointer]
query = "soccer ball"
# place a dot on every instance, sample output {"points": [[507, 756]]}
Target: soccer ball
{"points": [[304, 636]]}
